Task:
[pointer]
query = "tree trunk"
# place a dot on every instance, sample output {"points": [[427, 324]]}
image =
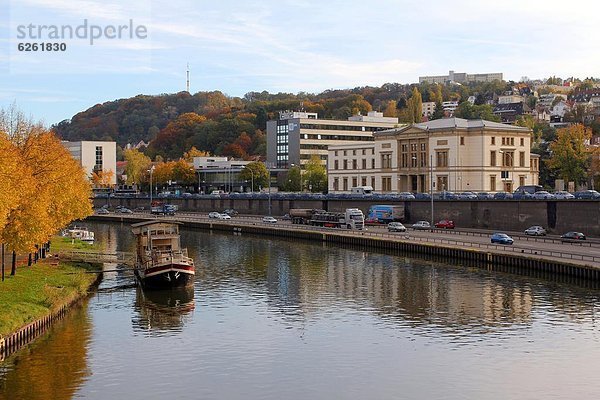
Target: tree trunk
{"points": [[13, 269], [29, 261], [2, 262]]}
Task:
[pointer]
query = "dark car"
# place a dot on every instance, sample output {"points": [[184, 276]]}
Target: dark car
{"points": [[422, 196], [445, 224], [503, 196], [501, 238], [587, 194], [484, 196], [522, 196], [569, 236]]}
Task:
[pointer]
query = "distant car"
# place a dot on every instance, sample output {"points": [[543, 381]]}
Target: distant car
{"points": [[587, 194], [543, 195], [484, 196], [214, 214], [522, 196], [186, 195], [396, 227], [286, 217], [102, 211], [446, 196], [224, 216], [421, 225], [503, 196], [124, 210], [535, 230], [563, 195], [569, 236], [406, 196], [445, 224], [422, 196], [501, 238], [231, 212], [269, 220], [467, 196]]}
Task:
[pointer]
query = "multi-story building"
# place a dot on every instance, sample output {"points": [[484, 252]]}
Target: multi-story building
{"points": [[458, 154], [450, 106], [461, 77], [296, 136], [510, 98], [220, 173], [428, 108], [95, 156]]}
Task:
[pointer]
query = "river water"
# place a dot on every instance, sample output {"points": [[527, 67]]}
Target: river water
{"points": [[282, 319]]}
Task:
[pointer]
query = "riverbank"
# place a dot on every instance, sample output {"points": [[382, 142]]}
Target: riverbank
{"points": [[42, 290]]}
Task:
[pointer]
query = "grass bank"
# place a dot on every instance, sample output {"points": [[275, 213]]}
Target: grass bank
{"points": [[44, 287]]}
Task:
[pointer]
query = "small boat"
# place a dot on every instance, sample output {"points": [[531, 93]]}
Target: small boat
{"points": [[80, 233], [161, 263]]}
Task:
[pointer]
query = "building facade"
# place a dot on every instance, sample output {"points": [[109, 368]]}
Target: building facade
{"points": [[296, 136], [453, 153], [428, 108], [95, 156], [220, 173], [461, 77]]}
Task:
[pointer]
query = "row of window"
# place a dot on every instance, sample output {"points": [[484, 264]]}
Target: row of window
{"points": [[363, 151], [342, 127]]}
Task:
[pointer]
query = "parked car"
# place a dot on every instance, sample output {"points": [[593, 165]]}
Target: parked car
{"points": [[231, 212], [445, 224], [406, 196], [213, 214], [501, 238], [543, 195], [422, 196], [224, 216], [535, 230], [269, 220], [564, 195], [587, 194], [286, 217], [522, 196], [421, 225], [467, 196], [484, 196], [124, 210], [570, 236], [102, 211], [503, 196], [396, 227]]}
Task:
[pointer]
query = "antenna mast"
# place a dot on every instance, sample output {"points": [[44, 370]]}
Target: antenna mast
{"points": [[187, 84]]}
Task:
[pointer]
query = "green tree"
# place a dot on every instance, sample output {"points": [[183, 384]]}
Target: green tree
{"points": [[569, 153], [255, 172], [415, 106], [438, 112], [467, 110], [294, 179], [316, 175], [137, 164]]}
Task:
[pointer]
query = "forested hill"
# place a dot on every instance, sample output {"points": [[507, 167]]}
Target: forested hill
{"points": [[234, 126]]}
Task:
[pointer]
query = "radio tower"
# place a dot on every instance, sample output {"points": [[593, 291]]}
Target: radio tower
{"points": [[187, 83]]}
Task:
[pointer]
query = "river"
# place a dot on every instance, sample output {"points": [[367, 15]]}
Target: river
{"points": [[286, 319]]}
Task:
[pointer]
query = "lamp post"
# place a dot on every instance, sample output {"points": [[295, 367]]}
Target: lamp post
{"points": [[431, 186], [269, 177], [151, 170]]}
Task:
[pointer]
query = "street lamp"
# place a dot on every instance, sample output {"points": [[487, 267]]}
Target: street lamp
{"points": [[431, 186], [151, 170], [269, 175]]}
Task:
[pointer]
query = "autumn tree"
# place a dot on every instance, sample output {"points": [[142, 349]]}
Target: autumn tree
{"points": [[137, 165], [569, 154], [194, 152], [316, 175], [256, 173], [390, 109], [183, 172], [102, 178]]}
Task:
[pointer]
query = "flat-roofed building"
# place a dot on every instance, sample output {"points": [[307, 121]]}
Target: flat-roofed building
{"points": [[461, 77], [428, 108], [297, 136], [459, 154], [95, 156]]}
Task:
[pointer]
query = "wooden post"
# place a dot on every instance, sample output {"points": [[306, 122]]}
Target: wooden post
{"points": [[13, 269], [29, 261], [2, 262]]}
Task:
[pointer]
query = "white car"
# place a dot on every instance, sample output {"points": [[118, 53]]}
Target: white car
{"points": [[214, 214], [224, 216], [421, 225], [535, 230], [543, 195], [269, 220], [563, 195]]}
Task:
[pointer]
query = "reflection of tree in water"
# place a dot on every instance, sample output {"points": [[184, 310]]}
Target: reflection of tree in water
{"points": [[52, 367], [163, 310]]}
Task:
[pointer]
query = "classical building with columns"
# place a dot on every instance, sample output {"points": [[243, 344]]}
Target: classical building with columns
{"points": [[455, 154]]}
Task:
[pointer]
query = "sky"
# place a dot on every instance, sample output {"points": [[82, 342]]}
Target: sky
{"points": [[279, 46]]}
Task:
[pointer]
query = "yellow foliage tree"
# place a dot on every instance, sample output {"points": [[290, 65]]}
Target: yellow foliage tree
{"points": [[137, 165], [102, 178], [194, 152]]}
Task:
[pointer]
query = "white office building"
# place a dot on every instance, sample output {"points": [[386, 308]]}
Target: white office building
{"points": [[95, 156]]}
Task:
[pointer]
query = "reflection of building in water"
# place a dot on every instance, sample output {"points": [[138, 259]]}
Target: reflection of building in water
{"points": [[163, 310]]}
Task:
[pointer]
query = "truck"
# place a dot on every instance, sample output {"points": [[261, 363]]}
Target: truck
{"points": [[351, 218], [383, 213], [160, 208], [362, 190]]}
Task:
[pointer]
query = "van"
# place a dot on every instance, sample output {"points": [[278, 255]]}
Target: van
{"points": [[217, 193], [531, 189], [362, 190]]}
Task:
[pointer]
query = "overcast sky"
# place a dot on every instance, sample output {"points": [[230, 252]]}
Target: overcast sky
{"points": [[291, 46]]}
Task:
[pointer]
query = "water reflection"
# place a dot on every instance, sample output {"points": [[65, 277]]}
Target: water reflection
{"points": [[161, 311]]}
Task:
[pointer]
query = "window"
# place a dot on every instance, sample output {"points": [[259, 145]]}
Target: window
{"points": [[364, 164], [521, 181], [522, 142], [372, 163], [373, 182], [335, 152], [493, 140], [364, 152], [353, 152], [345, 164], [363, 181], [336, 164], [441, 158], [354, 182], [493, 183], [345, 184], [336, 184], [462, 140], [512, 141], [413, 160], [386, 161], [492, 158], [98, 166], [508, 158], [423, 160], [442, 183], [354, 165], [345, 153], [386, 183], [521, 159]]}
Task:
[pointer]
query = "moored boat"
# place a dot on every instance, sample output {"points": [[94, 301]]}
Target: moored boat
{"points": [[161, 262], [80, 233]]}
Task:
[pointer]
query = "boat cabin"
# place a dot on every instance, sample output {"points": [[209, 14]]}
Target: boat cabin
{"points": [[157, 240]]}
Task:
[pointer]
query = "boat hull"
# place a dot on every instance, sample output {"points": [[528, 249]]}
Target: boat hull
{"points": [[166, 276]]}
